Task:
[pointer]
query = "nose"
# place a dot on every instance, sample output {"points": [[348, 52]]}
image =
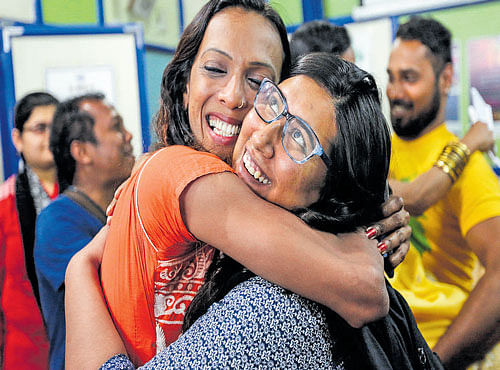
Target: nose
{"points": [[395, 90], [233, 93], [267, 137], [127, 135]]}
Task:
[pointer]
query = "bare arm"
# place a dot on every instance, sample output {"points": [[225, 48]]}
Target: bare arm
{"points": [[89, 327], [344, 273], [477, 327], [433, 185]]}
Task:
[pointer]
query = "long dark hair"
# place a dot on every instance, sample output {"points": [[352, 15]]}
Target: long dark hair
{"points": [[355, 186], [172, 121]]}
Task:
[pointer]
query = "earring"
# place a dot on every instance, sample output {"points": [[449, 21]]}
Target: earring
{"points": [[241, 105]]}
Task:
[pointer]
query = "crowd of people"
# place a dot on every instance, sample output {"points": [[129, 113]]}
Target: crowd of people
{"points": [[260, 231]]}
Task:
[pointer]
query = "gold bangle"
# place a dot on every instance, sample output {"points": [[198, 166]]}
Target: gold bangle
{"points": [[446, 169], [463, 147], [453, 159]]}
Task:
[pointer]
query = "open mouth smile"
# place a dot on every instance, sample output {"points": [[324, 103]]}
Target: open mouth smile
{"points": [[255, 170], [222, 128]]}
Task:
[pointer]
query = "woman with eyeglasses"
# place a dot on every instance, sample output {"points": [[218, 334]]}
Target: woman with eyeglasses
{"points": [[184, 201], [317, 145], [22, 197]]}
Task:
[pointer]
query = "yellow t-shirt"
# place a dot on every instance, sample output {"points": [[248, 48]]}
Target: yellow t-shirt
{"points": [[440, 270]]}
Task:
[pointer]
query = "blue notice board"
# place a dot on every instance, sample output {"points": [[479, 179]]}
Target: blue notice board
{"points": [[67, 61]]}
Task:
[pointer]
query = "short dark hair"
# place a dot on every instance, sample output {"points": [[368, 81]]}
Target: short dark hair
{"points": [[27, 104], [432, 34], [319, 35], [70, 123], [172, 121]]}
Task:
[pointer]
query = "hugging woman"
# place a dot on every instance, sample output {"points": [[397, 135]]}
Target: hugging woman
{"points": [[326, 154], [185, 201]]}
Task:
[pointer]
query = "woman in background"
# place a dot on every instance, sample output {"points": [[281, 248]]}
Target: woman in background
{"points": [[23, 341]]}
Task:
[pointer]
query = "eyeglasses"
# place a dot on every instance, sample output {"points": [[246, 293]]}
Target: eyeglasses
{"points": [[38, 129], [298, 138]]}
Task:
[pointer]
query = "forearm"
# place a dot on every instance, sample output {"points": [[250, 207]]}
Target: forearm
{"points": [[476, 328], [91, 337], [345, 274], [335, 272], [423, 192], [431, 186]]}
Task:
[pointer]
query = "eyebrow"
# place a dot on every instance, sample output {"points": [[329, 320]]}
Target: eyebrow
{"points": [[255, 63], [405, 70]]}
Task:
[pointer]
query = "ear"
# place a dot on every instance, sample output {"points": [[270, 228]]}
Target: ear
{"points": [[81, 152], [446, 79], [17, 140]]}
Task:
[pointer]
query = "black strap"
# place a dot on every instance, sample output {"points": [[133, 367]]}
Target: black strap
{"points": [[83, 200]]}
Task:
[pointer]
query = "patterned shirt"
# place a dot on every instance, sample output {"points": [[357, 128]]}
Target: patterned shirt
{"points": [[256, 325], [151, 259]]}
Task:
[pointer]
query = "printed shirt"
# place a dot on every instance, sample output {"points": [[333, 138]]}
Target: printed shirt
{"points": [[257, 325], [152, 266], [441, 270]]}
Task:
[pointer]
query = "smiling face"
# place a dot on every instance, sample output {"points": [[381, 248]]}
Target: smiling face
{"points": [[239, 49], [261, 161], [33, 141], [414, 92]]}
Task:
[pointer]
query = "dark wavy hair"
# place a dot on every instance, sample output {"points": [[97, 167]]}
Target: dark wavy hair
{"points": [[27, 104], [356, 183], [319, 35], [70, 123], [432, 34], [172, 121]]}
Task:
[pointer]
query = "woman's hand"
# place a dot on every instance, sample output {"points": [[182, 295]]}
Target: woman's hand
{"points": [[393, 232], [111, 208]]}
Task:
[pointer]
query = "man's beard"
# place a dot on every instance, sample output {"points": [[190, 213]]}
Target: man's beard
{"points": [[415, 126]]}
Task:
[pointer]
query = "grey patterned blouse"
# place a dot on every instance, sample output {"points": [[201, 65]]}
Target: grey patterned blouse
{"points": [[257, 325]]}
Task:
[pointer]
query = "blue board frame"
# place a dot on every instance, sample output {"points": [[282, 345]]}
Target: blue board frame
{"points": [[7, 99]]}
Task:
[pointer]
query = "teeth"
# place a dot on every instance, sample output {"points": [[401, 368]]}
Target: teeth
{"points": [[223, 128], [250, 166]]}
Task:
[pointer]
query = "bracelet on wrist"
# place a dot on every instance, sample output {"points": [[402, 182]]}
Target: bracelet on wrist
{"points": [[453, 159]]}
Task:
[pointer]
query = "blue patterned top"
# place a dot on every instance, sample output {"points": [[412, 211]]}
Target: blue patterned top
{"points": [[256, 325]]}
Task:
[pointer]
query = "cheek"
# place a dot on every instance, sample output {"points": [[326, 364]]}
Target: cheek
{"points": [[311, 182]]}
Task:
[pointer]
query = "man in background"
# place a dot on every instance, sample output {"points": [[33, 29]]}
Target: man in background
{"points": [[457, 313], [321, 36], [94, 155], [23, 341]]}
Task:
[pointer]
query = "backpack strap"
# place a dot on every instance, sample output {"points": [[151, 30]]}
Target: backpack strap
{"points": [[84, 201]]}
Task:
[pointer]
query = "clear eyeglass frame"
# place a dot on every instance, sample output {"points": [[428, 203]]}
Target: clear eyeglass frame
{"points": [[275, 110]]}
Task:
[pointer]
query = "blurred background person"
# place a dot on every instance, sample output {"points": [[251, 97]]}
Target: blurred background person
{"points": [[23, 341], [457, 313], [322, 36], [93, 154]]}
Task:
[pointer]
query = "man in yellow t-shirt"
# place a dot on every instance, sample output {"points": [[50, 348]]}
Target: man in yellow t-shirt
{"points": [[454, 237]]}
